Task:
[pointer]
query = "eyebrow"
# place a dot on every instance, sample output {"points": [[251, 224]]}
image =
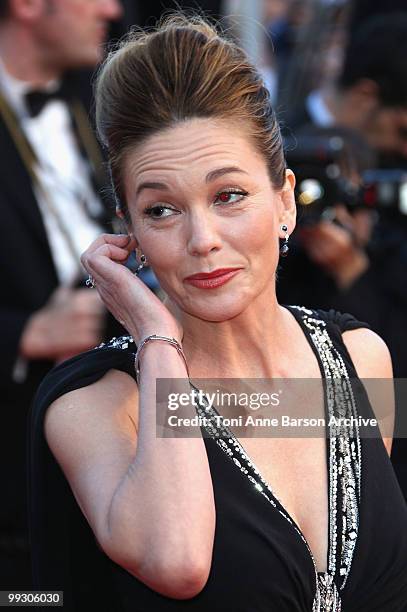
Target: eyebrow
{"points": [[211, 176], [214, 174]]}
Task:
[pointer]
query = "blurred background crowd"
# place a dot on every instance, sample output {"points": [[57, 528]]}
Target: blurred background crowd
{"points": [[337, 74]]}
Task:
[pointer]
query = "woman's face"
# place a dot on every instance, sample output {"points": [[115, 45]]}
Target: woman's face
{"points": [[200, 199]]}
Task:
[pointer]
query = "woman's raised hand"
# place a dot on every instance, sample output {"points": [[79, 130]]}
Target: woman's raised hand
{"points": [[130, 301]]}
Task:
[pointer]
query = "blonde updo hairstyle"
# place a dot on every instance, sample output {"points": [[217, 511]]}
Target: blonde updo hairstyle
{"points": [[183, 69]]}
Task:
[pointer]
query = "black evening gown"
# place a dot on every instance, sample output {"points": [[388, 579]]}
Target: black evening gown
{"points": [[261, 560]]}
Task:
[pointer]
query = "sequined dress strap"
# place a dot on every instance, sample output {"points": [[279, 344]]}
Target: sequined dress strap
{"points": [[344, 464]]}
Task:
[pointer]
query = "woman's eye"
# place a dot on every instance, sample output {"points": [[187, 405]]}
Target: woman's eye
{"points": [[230, 197], [156, 212]]}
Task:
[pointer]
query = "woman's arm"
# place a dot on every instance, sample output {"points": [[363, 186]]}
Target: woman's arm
{"points": [[148, 500], [372, 360]]}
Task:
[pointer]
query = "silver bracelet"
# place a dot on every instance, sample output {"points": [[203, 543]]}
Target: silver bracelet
{"points": [[142, 344]]}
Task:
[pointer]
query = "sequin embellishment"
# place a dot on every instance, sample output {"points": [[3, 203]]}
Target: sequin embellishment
{"points": [[120, 343]]}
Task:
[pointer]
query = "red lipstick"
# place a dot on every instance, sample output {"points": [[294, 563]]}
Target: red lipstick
{"points": [[211, 280]]}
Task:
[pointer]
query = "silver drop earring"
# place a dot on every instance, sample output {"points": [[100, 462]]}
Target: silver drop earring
{"points": [[143, 263], [284, 248]]}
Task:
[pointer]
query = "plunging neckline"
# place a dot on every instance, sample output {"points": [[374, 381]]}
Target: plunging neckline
{"points": [[328, 459], [327, 444]]}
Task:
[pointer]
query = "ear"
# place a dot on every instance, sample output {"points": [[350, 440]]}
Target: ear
{"points": [[134, 239], [288, 208], [119, 212], [124, 223]]}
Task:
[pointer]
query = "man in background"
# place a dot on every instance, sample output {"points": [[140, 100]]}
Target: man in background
{"points": [[370, 95], [51, 174]]}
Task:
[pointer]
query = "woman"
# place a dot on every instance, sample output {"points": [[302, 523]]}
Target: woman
{"points": [[207, 523]]}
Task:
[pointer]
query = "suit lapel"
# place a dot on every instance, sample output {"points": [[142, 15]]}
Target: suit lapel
{"points": [[15, 184]]}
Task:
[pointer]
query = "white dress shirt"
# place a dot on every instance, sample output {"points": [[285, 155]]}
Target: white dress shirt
{"points": [[64, 178], [318, 110]]}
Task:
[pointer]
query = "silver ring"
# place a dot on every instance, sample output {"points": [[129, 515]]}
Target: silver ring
{"points": [[90, 282]]}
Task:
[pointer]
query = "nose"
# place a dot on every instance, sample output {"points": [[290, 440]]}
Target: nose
{"points": [[111, 9], [204, 235]]}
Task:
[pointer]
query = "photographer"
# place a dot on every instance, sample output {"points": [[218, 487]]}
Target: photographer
{"points": [[334, 225], [370, 95]]}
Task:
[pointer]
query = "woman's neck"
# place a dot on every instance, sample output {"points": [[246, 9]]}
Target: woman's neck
{"points": [[249, 345]]}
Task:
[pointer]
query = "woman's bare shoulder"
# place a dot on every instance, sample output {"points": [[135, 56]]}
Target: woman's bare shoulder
{"points": [[369, 353], [373, 364], [114, 397]]}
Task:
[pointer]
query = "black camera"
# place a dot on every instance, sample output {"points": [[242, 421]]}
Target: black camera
{"points": [[385, 190], [327, 174]]}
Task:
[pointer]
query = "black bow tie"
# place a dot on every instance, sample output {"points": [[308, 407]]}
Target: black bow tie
{"points": [[37, 99]]}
